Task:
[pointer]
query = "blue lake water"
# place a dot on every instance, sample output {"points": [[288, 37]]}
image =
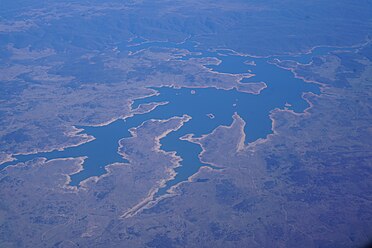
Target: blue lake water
{"points": [[282, 89]]}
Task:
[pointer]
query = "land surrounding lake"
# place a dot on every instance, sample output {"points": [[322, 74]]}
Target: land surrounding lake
{"points": [[185, 124]]}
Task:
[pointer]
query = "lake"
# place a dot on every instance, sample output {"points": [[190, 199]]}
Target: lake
{"points": [[283, 90]]}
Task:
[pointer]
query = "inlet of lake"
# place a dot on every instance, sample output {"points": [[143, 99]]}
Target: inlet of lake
{"points": [[283, 90]]}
